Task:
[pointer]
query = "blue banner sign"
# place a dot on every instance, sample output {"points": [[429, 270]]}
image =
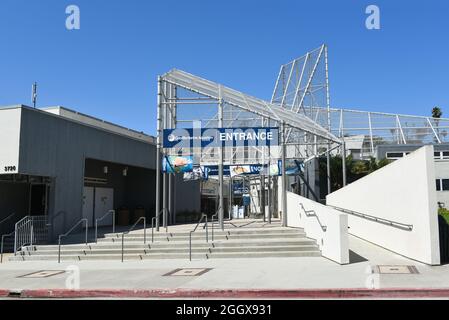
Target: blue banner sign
{"points": [[245, 169], [219, 137]]}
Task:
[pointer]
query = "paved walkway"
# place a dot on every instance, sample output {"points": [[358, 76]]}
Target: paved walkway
{"points": [[233, 274]]}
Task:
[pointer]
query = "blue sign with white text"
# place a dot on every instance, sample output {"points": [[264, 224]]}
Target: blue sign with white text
{"points": [[219, 137]]}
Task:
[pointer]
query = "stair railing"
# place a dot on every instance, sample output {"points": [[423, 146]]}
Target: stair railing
{"points": [[308, 214], [132, 228], [153, 223], [191, 232], [30, 230], [102, 218], [3, 240], [213, 221], [7, 218], [68, 232]]}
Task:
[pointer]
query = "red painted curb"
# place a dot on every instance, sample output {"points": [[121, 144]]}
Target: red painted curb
{"points": [[234, 293], [4, 293]]}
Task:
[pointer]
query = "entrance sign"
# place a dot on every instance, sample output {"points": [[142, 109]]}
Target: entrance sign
{"points": [[219, 137]]}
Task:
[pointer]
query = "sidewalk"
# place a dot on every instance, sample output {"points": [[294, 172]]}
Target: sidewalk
{"points": [[274, 276]]}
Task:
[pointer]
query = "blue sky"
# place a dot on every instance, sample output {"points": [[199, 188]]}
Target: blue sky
{"points": [[109, 67]]}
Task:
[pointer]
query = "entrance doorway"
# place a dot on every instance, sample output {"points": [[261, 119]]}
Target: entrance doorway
{"points": [[96, 203], [38, 200]]}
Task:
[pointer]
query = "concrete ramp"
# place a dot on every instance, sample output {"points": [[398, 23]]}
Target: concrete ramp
{"points": [[396, 207]]}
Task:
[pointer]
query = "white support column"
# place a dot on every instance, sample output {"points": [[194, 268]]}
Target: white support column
{"points": [[371, 133], [220, 169], [284, 176], [329, 127], [343, 162], [170, 176], [158, 150], [165, 187]]}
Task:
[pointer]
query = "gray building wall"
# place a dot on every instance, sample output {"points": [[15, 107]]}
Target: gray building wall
{"points": [[56, 147]]}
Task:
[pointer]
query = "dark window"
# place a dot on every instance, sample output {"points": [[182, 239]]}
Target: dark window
{"points": [[437, 155], [394, 155], [438, 184], [445, 154], [445, 184]]}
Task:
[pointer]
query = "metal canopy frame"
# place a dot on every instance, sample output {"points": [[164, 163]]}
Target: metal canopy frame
{"points": [[259, 107], [304, 84]]}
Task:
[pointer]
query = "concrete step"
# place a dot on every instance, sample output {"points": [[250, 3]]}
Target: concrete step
{"points": [[267, 248], [203, 231], [137, 251], [115, 251], [159, 245], [111, 245], [262, 254], [216, 255], [203, 237], [231, 243], [117, 257]]}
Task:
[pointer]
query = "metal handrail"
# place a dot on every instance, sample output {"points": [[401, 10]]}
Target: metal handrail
{"points": [[3, 240], [307, 212], [20, 239], [102, 218], [191, 232], [51, 221], [54, 217], [8, 217], [391, 223], [132, 228], [18, 226], [68, 232], [154, 219], [213, 221]]}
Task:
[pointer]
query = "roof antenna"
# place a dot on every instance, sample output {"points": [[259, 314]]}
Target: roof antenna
{"points": [[34, 95]]}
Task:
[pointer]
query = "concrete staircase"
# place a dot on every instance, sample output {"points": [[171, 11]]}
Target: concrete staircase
{"points": [[234, 242]]}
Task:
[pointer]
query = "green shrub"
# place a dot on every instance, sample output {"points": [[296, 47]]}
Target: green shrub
{"points": [[444, 213]]}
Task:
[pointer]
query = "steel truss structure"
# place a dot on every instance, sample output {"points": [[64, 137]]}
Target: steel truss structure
{"points": [[186, 101], [371, 129], [302, 86], [300, 107]]}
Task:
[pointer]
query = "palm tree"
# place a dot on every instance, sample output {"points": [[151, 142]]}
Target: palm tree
{"points": [[436, 114]]}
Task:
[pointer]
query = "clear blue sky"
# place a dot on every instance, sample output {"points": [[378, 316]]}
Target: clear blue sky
{"points": [[109, 68]]}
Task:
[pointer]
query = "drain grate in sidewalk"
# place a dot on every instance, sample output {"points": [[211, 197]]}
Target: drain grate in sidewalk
{"points": [[42, 274], [391, 269], [191, 272]]}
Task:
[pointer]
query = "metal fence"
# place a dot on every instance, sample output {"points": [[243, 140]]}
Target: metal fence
{"points": [[30, 230]]}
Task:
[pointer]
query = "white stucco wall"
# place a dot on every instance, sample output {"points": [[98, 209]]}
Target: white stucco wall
{"points": [[404, 191], [334, 241], [10, 140], [442, 172]]}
